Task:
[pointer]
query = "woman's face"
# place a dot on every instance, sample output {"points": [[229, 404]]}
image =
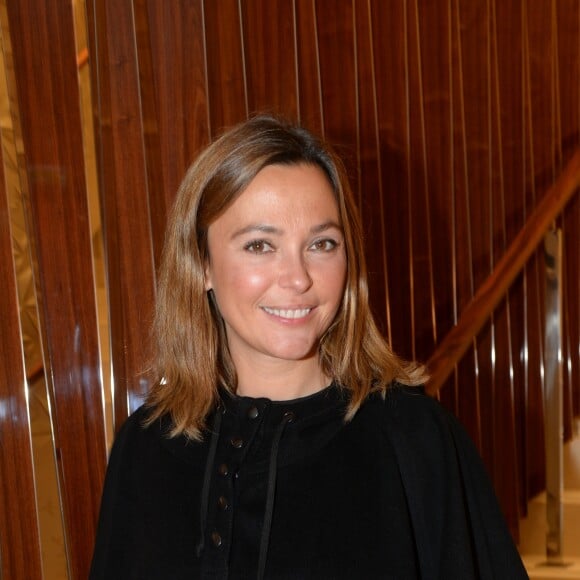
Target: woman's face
{"points": [[277, 265]]}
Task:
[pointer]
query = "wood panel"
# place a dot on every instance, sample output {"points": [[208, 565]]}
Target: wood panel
{"points": [[45, 59], [569, 114], [124, 198], [310, 111], [336, 55], [370, 194], [226, 74], [434, 26], [175, 92], [19, 540], [269, 53], [464, 399], [149, 118], [572, 305], [503, 404], [419, 181], [389, 25], [509, 123], [541, 48], [475, 59], [532, 346], [568, 85]]}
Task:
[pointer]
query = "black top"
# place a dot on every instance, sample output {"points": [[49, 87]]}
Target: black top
{"points": [[290, 489]]}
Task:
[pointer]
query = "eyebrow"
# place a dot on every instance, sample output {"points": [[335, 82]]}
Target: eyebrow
{"points": [[267, 229], [326, 226], [263, 228]]}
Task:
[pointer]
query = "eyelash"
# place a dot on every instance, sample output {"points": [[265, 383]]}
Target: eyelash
{"points": [[252, 247], [263, 247], [328, 244]]}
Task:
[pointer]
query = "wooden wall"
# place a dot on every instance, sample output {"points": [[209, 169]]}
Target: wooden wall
{"points": [[453, 116]]}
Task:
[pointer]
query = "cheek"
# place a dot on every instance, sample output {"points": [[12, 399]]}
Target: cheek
{"points": [[238, 279], [333, 278], [336, 290]]}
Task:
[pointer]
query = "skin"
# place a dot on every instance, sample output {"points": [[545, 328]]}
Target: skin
{"points": [[277, 268]]}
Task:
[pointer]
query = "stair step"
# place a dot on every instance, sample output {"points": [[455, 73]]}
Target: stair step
{"points": [[538, 569], [533, 528]]}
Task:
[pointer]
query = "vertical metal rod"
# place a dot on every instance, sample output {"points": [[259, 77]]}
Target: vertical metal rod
{"points": [[553, 413]]}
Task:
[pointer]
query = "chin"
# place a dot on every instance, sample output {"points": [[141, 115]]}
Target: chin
{"points": [[295, 354]]}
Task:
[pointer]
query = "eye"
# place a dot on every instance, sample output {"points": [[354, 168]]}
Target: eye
{"points": [[324, 245], [258, 247]]}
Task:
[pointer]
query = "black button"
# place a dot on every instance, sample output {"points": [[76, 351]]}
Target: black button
{"points": [[223, 469], [216, 539], [223, 503], [289, 416], [253, 412], [237, 442]]}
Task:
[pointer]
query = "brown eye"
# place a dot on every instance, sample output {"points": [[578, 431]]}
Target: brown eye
{"points": [[324, 245], [258, 247]]}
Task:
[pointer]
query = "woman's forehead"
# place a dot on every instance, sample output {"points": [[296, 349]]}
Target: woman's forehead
{"points": [[282, 194]]}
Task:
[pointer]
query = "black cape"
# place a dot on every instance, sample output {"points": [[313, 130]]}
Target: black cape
{"points": [[399, 492]]}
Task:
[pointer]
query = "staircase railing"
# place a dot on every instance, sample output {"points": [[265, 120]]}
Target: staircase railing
{"points": [[452, 348]]}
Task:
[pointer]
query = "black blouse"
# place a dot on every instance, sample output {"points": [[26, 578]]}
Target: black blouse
{"points": [[288, 490]]}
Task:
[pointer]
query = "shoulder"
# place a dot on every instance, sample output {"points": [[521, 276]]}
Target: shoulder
{"points": [[132, 438], [421, 423], [137, 437], [418, 426], [135, 428], [430, 444], [411, 411], [141, 441], [405, 401]]}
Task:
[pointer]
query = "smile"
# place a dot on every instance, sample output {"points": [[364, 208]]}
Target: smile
{"points": [[287, 313]]}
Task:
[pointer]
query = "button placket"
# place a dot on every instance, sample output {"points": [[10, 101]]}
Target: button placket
{"points": [[238, 430]]}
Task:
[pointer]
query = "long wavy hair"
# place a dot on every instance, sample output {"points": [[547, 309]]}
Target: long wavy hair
{"points": [[191, 358]]}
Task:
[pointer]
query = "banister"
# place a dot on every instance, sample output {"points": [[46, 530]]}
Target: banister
{"points": [[450, 350]]}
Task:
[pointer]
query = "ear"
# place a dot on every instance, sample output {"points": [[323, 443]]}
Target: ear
{"points": [[207, 277]]}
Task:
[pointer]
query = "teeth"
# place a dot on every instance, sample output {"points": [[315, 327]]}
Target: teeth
{"points": [[301, 313]]}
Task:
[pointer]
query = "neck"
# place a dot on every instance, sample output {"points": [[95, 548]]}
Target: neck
{"points": [[280, 380]]}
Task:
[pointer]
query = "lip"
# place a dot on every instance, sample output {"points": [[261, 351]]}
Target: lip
{"points": [[288, 314]]}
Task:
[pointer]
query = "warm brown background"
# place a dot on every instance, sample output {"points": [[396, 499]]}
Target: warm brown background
{"points": [[453, 116]]}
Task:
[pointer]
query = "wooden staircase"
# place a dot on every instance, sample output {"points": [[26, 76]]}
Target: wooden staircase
{"points": [[449, 352]]}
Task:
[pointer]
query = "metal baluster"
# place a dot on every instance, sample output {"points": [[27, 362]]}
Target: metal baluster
{"points": [[553, 414]]}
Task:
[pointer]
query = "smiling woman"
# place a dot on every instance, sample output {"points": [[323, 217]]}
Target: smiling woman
{"points": [[264, 194], [278, 408]]}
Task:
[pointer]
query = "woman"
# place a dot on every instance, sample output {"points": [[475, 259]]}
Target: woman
{"points": [[280, 440]]}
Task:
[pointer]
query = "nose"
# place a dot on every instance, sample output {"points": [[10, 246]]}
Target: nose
{"points": [[294, 273]]}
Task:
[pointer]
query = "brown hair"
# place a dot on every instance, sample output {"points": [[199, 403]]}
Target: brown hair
{"points": [[192, 358]]}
